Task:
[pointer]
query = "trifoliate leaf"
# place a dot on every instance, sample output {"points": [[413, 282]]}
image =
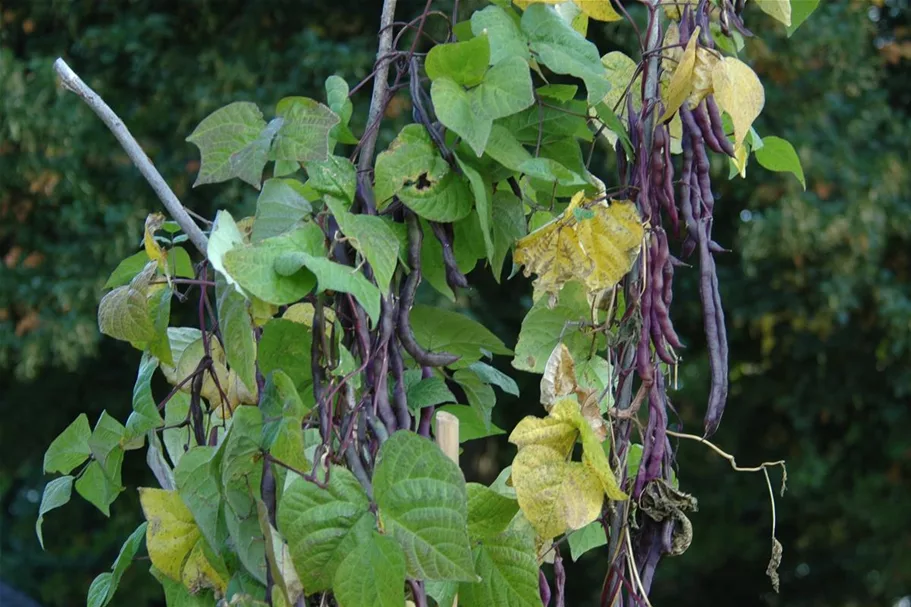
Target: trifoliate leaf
{"points": [[738, 92]]}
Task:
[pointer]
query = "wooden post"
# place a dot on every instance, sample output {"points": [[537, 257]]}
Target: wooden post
{"points": [[447, 436]]}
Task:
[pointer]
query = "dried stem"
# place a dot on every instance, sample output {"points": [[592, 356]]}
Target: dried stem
{"points": [[74, 83]]}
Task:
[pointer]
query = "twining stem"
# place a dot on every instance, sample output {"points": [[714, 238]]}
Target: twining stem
{"points": [[75, 84]]}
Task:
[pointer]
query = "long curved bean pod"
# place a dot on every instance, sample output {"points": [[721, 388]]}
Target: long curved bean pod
{"points": [[718, 125], [406, 301], [715, 334]]}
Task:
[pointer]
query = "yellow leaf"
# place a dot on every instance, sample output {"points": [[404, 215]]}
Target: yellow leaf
{"points": [[559, 377], [620, 71], [681, 84], [599, 10], [706, 59], [555, 495], [778, 9], [175, 543], [279, 557], [611, 239], [303, 313], [523, 4], [559, 435], [153, 249], [594, 457], [674, 10], [738, 92], [741, 153], [597, 251]]}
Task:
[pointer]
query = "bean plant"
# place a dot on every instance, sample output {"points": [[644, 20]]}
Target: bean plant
{"points": [[301, 454]]}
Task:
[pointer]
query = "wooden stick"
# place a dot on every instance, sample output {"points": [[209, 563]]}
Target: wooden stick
{"points": [[448, 439], [448, 434]]}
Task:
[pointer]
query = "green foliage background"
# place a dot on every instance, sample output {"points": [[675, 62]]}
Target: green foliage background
{"points": [[817, 288]]}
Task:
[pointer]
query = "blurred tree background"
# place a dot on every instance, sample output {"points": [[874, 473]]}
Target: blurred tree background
{"points": [[817, 288]]}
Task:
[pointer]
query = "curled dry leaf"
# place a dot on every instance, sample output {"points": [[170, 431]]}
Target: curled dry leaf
{"points": [[559, 381], [597, 250]]}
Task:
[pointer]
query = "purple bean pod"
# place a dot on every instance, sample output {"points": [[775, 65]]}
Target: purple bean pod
{"points": [[661, 318], [717, 125], [671, 204], [713, 318], [686, 193], [704, 178], [454, 277], [406, 301], [700, 116]]}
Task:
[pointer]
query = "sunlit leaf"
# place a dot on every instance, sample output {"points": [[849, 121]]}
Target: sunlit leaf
{"points": [[506, 39], [599, 10], [562, 49], [333, 276], [175, 544], [598, 251], [681, 82], [554, 494], [777, 9], [799, 12], [252, 266], [738, 92]]}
